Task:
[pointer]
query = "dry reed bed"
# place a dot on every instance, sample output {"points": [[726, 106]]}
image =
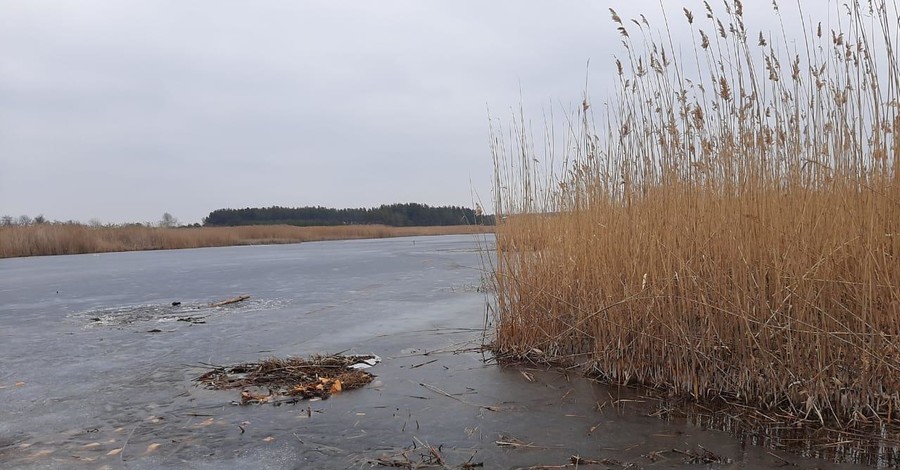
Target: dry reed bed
{"points": [[724, 230], [66, 239]]}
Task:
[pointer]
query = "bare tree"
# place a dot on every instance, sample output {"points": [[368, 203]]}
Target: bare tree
{"points": [[168, 220], [24, 220], [6, 220]]}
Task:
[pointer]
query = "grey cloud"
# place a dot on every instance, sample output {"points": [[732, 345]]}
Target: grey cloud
{"points": [[124, 110]]}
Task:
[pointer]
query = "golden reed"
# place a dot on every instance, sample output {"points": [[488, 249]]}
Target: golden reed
{"points": [[729, 226]]}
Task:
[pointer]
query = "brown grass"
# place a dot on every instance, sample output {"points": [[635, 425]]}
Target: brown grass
{"points": [[736, 234], [67, 239]]}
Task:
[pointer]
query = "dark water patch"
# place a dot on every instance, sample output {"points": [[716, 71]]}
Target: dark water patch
{"points": [[874, 445], [870, 444]]}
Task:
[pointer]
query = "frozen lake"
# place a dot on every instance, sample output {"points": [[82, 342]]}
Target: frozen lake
{"points": [[97, 366]]}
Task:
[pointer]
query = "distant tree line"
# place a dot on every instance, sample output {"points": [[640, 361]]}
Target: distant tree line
{"points": [[397, 215], [24, 220]]}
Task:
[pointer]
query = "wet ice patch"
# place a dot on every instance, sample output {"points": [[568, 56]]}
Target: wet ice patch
{"points": [[195, 313], [126, 315], [257, 304]]}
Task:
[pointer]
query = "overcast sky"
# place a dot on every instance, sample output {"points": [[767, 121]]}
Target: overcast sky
{"points": [[122, 110]]}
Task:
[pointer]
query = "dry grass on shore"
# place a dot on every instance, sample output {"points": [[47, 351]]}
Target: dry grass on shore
{"points": [[68, 239], [737, 235]]}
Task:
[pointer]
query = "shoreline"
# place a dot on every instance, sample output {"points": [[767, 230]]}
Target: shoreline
{"points": [[52, 240]]}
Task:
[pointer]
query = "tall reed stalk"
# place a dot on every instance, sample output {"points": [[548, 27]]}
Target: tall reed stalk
{"points": [[729, 225]]}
